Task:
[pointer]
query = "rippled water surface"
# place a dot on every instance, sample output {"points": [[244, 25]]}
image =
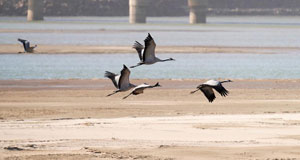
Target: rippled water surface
{"points": [[86, 66], [219, 31]]}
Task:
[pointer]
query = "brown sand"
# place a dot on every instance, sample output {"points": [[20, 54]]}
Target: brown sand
{"points": [[65, 49], [72, 119]]}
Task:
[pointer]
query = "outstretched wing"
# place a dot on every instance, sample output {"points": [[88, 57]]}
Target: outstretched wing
{"points": [[26, 44], [219, 88], [208, 92], [124, 78], [139, 48], [149, 51], [113, 77]]}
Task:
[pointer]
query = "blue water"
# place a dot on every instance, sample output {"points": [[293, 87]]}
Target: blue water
{"points": [[186, 66], [262, 31]]}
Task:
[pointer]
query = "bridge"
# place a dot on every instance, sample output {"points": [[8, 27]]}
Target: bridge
{"points": [[137, 11]]}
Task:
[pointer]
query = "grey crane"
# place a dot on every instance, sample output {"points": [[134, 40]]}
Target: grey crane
{"points": [[26, 45], [121, 82], [147, 54], [207, 89], [140, 89]]}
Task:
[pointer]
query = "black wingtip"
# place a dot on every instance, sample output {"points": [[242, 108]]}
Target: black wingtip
{"points": [[108, 74], [211, 100], [124, 66], [148, 38], [136, 44], [21, 40]]}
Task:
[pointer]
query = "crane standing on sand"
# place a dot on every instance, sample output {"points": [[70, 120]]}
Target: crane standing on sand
{"points": [[207, 89], [26, 45], [147, 54]]}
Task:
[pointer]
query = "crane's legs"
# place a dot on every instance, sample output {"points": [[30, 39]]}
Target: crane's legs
{"points": [[113, 93], [194, 91], [127, 96]]}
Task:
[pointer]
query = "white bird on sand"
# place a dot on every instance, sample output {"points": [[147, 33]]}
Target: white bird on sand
{"points": [[26, 45], [147, 54], [121, 82], [207, 89], [140, 89]]}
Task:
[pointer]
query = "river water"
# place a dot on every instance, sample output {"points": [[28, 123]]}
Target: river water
{"points": [[219, 31], [186, 66]]}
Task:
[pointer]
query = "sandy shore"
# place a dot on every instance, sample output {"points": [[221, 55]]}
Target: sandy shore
{"points": [[72, 119], [65, 49]]}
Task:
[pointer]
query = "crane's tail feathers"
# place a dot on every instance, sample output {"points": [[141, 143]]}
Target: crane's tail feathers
{"points": [[127, 96], [194, 91]]}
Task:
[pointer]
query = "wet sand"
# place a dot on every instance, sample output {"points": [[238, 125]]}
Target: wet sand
{"points": [[67, 49], [73, 119]]}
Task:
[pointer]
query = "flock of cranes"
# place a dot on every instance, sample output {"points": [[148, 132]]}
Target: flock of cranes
{"points": [[147, 57]]}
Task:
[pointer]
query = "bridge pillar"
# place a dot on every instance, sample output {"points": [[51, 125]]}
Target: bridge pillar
{"points": [[137, 11], [197, 11], [35, 10]]}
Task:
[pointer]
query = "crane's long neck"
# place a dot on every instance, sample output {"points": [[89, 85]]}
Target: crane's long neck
{"points": [[226, 81], [164, 60], [156, 85]]}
